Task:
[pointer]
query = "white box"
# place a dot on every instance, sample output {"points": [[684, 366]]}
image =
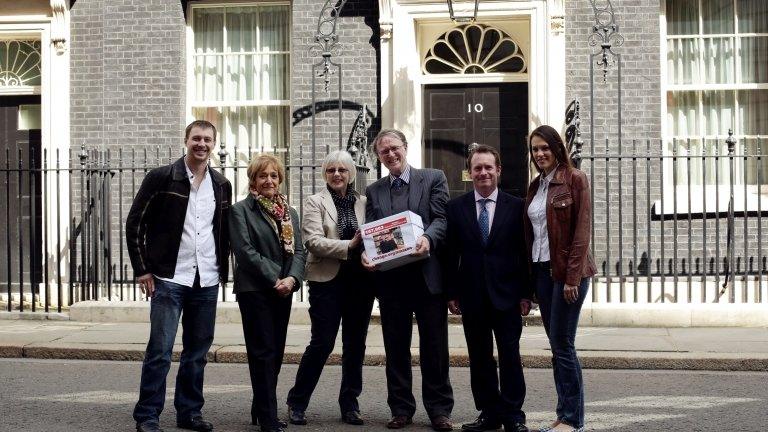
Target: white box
{"points": [[390, 241]]}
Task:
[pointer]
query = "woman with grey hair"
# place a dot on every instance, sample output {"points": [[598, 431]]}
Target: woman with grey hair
{"points": [[338, 288]]}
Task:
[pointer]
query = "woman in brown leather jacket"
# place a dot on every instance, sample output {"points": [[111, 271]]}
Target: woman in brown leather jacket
{"points": [[557, 229]]}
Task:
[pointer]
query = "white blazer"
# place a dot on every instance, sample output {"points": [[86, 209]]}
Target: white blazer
{"points": [[321, 237]]}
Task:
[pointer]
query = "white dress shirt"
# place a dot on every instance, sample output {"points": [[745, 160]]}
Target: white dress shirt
{"points": [[537, 213], [490, 206], [197, 251], [405, 176]]}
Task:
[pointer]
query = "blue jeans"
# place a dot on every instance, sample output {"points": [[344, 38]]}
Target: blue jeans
{"points": [[197, 309], [560, 321]]}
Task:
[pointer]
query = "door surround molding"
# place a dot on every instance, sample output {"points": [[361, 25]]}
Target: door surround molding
{"points": [[51, 27], [402, 81]]}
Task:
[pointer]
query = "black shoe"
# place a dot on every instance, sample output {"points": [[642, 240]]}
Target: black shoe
{"points": [[148, 427], [196, 424], [352, 418], [483, 423], [399, 422], [296, 416], [272, 429], [515, 427], [282, 424]]}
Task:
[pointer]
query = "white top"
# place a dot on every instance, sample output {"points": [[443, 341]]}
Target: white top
{"points": [[537, 213], [405, 176], [490, 205], [197, 251]]}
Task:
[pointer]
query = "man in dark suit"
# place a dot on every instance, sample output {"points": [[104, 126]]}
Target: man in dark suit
{"points": [[487, 282], [415, 288]]}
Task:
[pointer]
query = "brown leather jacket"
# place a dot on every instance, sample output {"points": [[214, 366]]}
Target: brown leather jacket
{"points": [[569, 220]]}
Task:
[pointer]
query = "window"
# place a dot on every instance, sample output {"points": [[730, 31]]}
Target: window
{"points": [[717, 79], [20, 64], [240, 59], [474, 49]]}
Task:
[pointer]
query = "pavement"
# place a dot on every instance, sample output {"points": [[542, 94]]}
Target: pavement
{"points": [[691, 348]]}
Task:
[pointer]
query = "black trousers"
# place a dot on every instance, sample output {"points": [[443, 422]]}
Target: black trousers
{"points": [[345, 300], [265, 324], [503, 402], [402, 296]]}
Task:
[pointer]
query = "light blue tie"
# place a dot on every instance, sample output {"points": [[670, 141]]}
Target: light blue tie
{"points": [[483, 220]]}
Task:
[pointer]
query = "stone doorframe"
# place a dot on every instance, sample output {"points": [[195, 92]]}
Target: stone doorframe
{"points": [[402, 80], [50, 25]]}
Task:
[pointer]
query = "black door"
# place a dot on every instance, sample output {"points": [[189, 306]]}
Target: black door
{"points": [[19, 236], [455, 116]]}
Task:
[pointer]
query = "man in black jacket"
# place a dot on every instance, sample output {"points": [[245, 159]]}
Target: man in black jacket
{"points": [[178, 242], [487, 282]]}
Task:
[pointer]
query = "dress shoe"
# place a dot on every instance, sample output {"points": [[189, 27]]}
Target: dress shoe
{"points": [[441, 424], [352, 418], [399, 422], [515, 427], [282, 424], [483, 423], [148, 427], [196, 424], [296, 416]]}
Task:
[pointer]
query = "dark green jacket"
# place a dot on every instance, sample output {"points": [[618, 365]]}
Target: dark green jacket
{"points": [[258, 252]]}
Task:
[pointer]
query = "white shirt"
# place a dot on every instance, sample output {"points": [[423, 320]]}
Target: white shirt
{"points": [[197, 251], [490, 206], [537, 213], [405, 176]]}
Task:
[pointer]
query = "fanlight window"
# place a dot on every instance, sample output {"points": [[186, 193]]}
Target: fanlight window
{"points": [[474, 49], [19, 63]]}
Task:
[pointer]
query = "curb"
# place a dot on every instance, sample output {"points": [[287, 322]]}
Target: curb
{"points": [[540, 359]]}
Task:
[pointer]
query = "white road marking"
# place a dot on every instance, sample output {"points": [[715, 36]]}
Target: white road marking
{"points": [[671, 402], [601, 420], [118, 398]]}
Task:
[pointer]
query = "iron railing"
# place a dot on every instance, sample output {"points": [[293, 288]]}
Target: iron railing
{"points": [[679, 225], [667, 226], [75, 250]]}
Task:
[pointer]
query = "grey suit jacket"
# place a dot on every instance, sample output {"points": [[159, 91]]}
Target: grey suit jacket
{"points": [[321, 235], [428, 194], [258, 252]]}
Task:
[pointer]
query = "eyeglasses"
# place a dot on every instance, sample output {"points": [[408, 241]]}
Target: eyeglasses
{"points": [[334, 170], [391, 149]]}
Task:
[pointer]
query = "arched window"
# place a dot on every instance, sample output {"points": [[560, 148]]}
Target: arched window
{"points": [[19, 63], [474, 49]]}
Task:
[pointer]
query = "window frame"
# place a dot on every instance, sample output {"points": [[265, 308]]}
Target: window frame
{"points": [[699, 88], [748, 196], [192, 103]]}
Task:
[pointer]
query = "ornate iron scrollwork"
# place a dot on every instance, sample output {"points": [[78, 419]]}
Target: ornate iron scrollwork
{"points": [[605, 33], [573, 140], [358, 141], [326, 37]]}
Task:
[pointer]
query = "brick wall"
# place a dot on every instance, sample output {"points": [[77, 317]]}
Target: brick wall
{"points": [[127, 74]]}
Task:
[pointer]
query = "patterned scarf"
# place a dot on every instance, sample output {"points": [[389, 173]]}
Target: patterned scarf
{"points": [[277, 208], [345, 207]]}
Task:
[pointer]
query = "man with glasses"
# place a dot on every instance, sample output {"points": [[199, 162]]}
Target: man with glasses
{"points": [[178, 242], [415, 288]]}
